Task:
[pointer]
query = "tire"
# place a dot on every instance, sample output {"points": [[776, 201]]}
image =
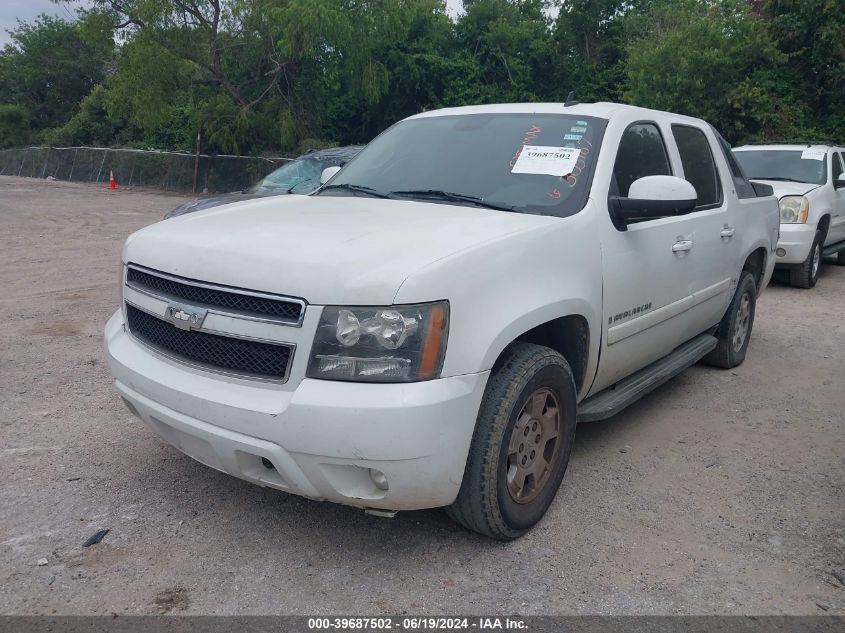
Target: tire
{"points": [[806, 273], [527, 385], [734, 331], [840, 258]]}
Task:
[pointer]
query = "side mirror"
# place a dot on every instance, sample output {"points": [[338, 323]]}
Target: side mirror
{"points": [[653, 197], [328, 173], [839, 183]]}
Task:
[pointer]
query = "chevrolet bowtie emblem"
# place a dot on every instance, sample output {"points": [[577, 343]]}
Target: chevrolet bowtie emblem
{"points": [[185, 317]]}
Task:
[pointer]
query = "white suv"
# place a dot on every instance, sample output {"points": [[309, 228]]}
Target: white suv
{"points": [[427, 328], [809, 180]]}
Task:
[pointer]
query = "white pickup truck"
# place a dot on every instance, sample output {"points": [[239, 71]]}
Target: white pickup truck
{"points": [[428, 327], [809, 181]]}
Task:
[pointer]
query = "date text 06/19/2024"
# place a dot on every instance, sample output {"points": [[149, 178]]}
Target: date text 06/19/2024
{"points": [[416, 624]]}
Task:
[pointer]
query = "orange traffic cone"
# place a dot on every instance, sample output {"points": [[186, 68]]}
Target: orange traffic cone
{"points": [[112, 181]]}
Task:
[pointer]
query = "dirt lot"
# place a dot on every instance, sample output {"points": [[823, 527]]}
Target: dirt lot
{"points": [[723, 492]]}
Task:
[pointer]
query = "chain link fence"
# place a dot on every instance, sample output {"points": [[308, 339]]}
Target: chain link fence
{"points": [[172, 171]]}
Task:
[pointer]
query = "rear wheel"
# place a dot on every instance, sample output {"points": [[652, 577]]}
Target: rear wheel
{"points": [[806, 273], [521, 445], [840, 257], [734, 331]]}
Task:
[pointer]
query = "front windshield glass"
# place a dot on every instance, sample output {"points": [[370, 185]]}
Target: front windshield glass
{"points": [[529, 163], [800, 165], [299, 176]]}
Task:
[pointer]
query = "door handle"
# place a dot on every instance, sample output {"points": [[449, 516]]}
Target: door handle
{"points": [[681, 246], [728, 231]]}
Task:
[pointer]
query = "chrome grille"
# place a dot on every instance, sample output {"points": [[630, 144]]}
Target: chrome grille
{"points": [[219, 298], [253, 359]]}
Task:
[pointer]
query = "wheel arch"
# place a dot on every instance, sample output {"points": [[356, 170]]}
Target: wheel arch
{"points": [[755, 263], [571, 336], [824, 224]]}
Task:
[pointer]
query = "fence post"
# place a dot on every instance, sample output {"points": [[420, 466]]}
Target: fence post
{"points": [[46, 159], [197, 160], [73, 164], [23, 160], [132, 171], [103, 162]]}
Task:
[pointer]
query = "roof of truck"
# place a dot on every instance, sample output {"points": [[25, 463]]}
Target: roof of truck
{"points": [[601, 110], [785, 146]]}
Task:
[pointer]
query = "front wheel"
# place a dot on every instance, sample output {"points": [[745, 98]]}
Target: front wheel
{"points": [[521, 445], [806, 274], [734, 331]]}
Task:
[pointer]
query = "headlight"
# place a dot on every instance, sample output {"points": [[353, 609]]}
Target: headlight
{"points": [[391, 344], [794, 209]]}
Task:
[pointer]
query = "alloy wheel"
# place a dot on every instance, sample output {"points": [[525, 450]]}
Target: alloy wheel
{"points": [[743, 320], [534, 446]]}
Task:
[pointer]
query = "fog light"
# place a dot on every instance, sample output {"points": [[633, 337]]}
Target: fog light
{"points": [[780, 252], [378, 479]]}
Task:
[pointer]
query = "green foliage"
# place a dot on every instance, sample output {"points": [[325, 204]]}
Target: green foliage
{"points": [[811, 33], [510, 43], [589, 39], [14, 126], [269, 76], [90, 125], [51, 64], [709, 59]]}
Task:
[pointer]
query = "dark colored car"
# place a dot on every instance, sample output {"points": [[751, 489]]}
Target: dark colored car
{"points": [[300, 176]]}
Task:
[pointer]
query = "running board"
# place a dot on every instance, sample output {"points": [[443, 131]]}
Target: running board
{"points": [[833, 249], [611, 401]]}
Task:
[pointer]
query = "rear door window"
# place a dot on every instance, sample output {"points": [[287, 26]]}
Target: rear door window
{"points": [[742, 186], [699, 166]]}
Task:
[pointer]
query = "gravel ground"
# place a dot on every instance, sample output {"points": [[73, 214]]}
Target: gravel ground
{"points": [[721, 493]]}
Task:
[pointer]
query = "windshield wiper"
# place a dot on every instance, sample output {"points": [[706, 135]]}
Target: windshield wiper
{"points": [[452, 197], [358, 188], [779, 178]]}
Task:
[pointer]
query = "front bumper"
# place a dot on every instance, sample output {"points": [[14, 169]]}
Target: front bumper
{"points": [[322, 437], [796, 240]]}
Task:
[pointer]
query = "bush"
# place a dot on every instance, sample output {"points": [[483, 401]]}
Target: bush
{"points": [[14, 126]]}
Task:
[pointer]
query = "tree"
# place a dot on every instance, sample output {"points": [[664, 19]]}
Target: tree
{"points": [[509, 40], [213, 59], [811, 34], [714, 60], [91, 125], [589, 41], [14, 126], [257, 76], [51, 64]]}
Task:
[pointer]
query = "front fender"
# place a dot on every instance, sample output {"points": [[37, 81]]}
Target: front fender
{"points": [[501, 289]]}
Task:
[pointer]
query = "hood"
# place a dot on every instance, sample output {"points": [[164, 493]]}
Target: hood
{"points": [[324, 249], [787, 187]]}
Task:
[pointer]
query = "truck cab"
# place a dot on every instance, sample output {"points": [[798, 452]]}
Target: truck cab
{"points": [[427, 329]]}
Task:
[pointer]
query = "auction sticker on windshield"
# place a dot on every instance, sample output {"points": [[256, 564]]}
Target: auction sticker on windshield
{"points": [[546, 160], [813, 154]]}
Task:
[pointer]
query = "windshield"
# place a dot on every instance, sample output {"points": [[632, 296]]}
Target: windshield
{"points": [[801, 165], [529, 163], [299, 176]]}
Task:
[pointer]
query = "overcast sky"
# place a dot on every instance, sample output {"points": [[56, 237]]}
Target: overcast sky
{"points": [[26, 10]]}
